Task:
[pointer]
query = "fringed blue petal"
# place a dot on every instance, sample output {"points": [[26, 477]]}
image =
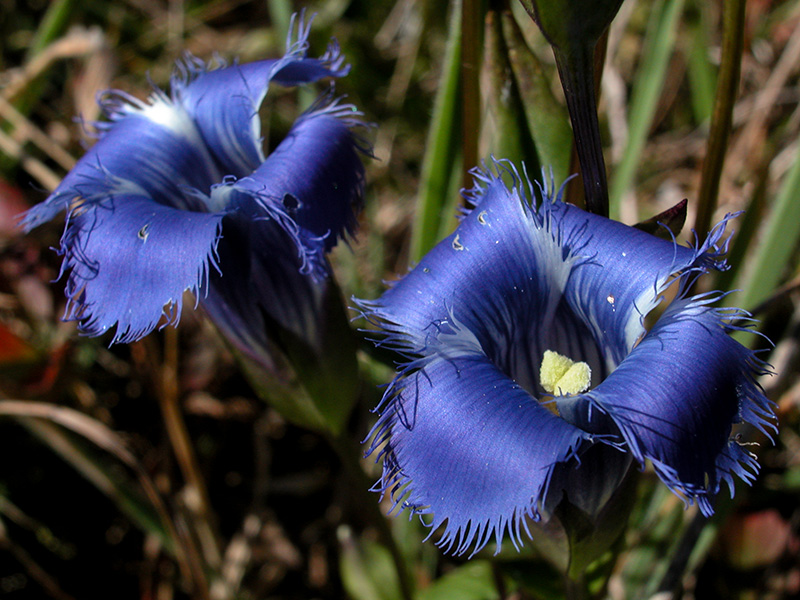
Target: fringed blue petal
{"points": [[502, 272], [314, 176], [198, 150], [676, 396], [259, 284], [463, 442], [625, 272], [619, 271], [129, 261], [151, 150], [224, 102]]}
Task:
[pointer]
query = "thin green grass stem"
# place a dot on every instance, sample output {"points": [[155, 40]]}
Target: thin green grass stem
{"points": [[722, 115], [441, 147], [646, 95], [777, 243]]}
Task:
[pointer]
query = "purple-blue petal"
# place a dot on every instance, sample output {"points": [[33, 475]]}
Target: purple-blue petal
{"points": [[136, 155], [624, 273], [488, 270], [675, 398], [224, 102], [129, 261], [466, 444], [260, 285], [315, 176], [609, 275]]}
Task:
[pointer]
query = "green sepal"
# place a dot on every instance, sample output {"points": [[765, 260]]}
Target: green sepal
{"points": [[314, 385], [591, 537], [573, 29]]}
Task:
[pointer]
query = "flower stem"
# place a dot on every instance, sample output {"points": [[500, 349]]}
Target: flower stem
{"points": [[470, 75], [577, 77], [733, 16], [575, 589]]}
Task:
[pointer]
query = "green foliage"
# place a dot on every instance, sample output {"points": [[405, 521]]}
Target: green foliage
{"points": [[473, 581], [441, 167], [658, 45]]}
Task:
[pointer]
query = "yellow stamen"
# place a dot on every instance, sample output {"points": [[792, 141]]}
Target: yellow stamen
{"points": [[561, 376]]}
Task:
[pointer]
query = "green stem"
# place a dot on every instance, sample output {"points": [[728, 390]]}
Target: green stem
{"points": [[577, 78], [575, 589], [470, 82], [670, 583], [722, 115]]}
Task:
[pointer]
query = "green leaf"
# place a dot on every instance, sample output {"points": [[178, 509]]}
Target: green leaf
{"points": [[473, 581], [367, 569], [702, 78], [53, 24], [778, 242], [547, 118], [505, 120]]}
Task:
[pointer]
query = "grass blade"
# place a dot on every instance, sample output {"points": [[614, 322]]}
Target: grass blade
{"points": [[649, 81], [441, 151]]}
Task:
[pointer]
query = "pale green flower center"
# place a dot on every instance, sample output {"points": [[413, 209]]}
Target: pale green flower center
{"points": [[561, 376]]}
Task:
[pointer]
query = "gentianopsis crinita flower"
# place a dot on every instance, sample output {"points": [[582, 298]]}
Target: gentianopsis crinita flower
{"points": [[177, 194], [526, 348]]}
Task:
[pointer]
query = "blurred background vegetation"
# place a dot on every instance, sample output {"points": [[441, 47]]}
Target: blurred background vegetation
{"points": [[95, 501]]}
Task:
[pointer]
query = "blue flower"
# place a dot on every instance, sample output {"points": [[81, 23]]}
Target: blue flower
{"points": [[483, 428], [178, 195]]}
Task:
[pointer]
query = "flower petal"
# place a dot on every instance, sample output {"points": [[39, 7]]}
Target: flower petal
{"points": [[610, 275], [463, 442], [224, 102], [499, 268], [129, 257], [676, 396], [150, 150], [315, 177], [259, 284], [625, 272]]}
